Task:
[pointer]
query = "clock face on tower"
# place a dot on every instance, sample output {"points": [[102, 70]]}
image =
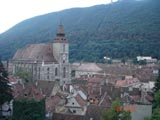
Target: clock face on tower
{"points": [[64, 56]]}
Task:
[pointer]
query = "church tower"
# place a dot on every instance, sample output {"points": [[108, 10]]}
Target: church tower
{"points": [[61, 54]]}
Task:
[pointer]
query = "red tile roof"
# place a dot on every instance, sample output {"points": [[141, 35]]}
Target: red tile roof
{"points": [[92, 81], [95, 80], [51, 102], [17, 88], [122, 83], [80, 100], [13, 79], [29, 91]]}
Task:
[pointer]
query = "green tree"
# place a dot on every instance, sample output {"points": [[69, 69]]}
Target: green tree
{"points": [[114, 114], [125, 115], [5, 88], [156, 101], [24, 75], [124, 60], [157, 98], [156, 114], [142, 62], [157, 84], [29, 110]]}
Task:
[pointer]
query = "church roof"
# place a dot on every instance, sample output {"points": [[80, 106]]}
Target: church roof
{"points": [[40, 52], [91, 67]]}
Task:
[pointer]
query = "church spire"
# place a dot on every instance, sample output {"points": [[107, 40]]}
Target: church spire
{"points": [[60, 32], [60, 36]]}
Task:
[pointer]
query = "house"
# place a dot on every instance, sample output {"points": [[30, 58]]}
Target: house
{"points": [[71, 105], [74, 104], [141, 112], [77, 104], [29, 92], [86, 69], [127, 82], [148, 59]]}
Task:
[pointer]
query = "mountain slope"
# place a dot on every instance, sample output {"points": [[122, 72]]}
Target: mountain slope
{"points": [[124, 29]]}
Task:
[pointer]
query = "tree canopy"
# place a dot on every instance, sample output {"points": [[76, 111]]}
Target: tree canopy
{"points": [[29, 110], [5, 88], [156, 101], [114, 114]]}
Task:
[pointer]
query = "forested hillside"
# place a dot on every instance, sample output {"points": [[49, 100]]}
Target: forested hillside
{"points": [[123, 29]]}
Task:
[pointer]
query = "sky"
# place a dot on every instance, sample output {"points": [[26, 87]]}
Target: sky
{"points": [[15, 11]]}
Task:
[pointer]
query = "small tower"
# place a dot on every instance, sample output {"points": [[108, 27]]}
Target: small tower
{"points": [[61, 54]]}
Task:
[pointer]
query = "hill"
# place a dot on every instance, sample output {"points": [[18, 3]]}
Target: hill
{"points": [[123, 29]]}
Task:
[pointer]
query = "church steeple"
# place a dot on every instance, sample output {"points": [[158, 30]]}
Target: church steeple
{"points": [[61, 54], [60, 32], [60, 36]]}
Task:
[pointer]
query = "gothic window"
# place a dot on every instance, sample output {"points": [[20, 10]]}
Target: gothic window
{"points": [[48, 69], [39, 73], [64, 72], [56, 71], [63, 47]]}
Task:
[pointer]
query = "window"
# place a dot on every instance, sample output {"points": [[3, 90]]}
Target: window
{"points": [[63, 47], [64, 72], [47, 77], [74, 111], [25, 94], [39, 72], [73, 103], [56, 71]]}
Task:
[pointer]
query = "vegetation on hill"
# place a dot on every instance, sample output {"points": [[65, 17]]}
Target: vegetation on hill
{"points": [[127, 28]]}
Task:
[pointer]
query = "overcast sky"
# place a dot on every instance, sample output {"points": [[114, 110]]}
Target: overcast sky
{"points": [[15, 11]]}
